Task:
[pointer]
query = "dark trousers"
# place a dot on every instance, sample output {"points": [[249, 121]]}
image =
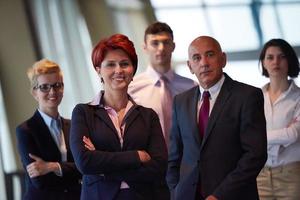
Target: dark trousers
{"points": [[199, 195], [126, 194]]}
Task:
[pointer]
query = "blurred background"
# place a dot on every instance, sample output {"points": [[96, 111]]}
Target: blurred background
{"points": [[66, 30]]}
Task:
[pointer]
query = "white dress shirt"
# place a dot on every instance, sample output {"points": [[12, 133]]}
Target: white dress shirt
{"points": [[214, 92], [145, 90], [49, 121], [60, 144], [283, 126]]}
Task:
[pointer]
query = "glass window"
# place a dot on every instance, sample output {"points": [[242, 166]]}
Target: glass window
{"points": [[174, 3], [286, 1], [247, 72], [64, 38], [226, 2], [221, 19], [289, 15], [185, 27], [269, 23], [220, 2], [231, 25], [241, 26]]}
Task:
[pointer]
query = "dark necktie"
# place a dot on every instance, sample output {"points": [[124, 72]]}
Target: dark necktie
{"points": [[204, 113], [203, 119]]}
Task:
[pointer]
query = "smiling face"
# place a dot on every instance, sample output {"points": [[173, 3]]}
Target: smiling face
{"points": [[275, 62], [159, 48], [49, 101], [116, 71], [206, 61]]}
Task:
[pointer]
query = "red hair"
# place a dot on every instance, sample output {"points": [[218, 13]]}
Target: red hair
{"points": [[116, 41]]}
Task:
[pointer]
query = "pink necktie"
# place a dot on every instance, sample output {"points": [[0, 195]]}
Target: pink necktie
{"points": [[166, 107], [204, 113]]}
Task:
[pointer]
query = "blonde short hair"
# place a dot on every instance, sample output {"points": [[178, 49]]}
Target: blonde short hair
{"points": [[41, 67]]}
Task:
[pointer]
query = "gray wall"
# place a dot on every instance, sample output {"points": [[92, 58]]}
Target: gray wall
{"points": [[16, 55]]}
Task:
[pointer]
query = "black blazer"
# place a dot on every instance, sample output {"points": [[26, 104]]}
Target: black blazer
{"points": [[231, 154], [33, 136], [105, 168]]}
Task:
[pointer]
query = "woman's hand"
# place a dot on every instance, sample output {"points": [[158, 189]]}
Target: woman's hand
{"points": [[39, 167], [144, 156], [211, 197], [88, 143]]}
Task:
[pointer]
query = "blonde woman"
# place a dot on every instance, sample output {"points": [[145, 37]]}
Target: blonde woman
{"points": [[43, 140]]}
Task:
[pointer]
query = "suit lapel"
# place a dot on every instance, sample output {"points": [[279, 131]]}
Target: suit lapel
{"points": [[130, 116], [221, 100], [193, 110], [66, 129], [101, 113], [43, 135]]}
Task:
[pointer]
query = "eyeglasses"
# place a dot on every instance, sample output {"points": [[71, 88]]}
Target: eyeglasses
{"points": [[47, 87]]}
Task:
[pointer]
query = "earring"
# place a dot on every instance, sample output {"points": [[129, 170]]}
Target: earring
{"points": [[101, 79]]}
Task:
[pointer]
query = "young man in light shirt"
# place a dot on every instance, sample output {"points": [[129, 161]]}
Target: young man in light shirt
{"points": [[147, 88]]}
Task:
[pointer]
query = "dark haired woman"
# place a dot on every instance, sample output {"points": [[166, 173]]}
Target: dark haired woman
{"points": [[280, 178]]}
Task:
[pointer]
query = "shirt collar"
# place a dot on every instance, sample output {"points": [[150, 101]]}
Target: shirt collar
{"points": [[291, 87], [128, 106], [155, 76], [47, 119], [98, 100], [215, 89]]}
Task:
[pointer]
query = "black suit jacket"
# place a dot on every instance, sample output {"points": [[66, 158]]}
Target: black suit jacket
{"points": [[228, 159], [105, 168], [33, 136]]}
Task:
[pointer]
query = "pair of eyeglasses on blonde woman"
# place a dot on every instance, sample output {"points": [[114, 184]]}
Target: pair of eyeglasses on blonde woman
{"points": [[47, 87]]}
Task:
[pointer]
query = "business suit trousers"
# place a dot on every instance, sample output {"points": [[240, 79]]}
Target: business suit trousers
{"points": [[279, 183], [126, 194], [199, 195]]}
